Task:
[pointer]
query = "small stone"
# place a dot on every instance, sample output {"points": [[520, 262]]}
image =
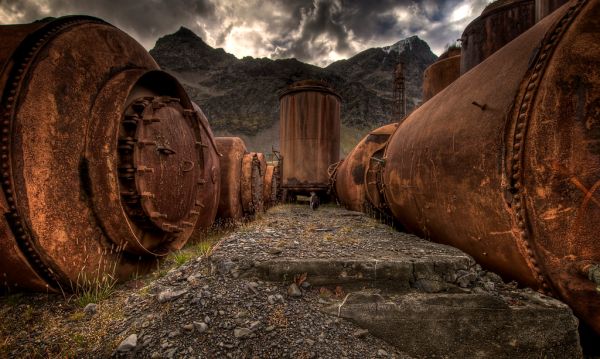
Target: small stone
{"points": [[275, 251], [90, 309], [188, 327], [382, 353], [360, 333], [294, 291], [270, 328], [221, 312], [305, 285], [174, 333], [271, 299], [201, 327], [241, 332], [128, 344], [309, 342], [254, 325], [207, 319], [169, 295]]}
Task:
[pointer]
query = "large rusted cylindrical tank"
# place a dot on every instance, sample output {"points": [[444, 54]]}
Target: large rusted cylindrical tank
{"points": [[349, 180], [441, 73], [103, 156], [242, 179], [507, 166], [309, 135], [499, 23], [544, 8]]}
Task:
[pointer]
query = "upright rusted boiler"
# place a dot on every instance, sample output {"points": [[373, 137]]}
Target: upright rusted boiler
{"points": [[441, 73], [104, 160], [499, 23], [544, 8], [242, 179], [505, 164], [350, 176], [309, 135]]}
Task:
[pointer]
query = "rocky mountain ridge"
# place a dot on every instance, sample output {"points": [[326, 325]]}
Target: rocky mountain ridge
{"points": [[240, 96]]}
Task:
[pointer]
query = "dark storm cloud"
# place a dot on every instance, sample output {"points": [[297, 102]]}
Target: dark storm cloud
{"points": [[144, 20], [316, 31]]}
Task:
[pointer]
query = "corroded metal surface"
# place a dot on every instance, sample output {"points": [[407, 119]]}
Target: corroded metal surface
{"points": [[441, 73], [544, 8], [309, 135], [233, 150], [351, 175], [506, 166], [499, 23], [254, 167], [96, 142], [242, 179]]}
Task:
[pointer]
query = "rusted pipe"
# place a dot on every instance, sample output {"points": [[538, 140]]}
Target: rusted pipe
{"points": [[515, 186], [355, 172]]}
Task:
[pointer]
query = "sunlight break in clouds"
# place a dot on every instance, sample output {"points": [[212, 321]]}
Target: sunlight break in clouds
{"points": [[314, 31]]}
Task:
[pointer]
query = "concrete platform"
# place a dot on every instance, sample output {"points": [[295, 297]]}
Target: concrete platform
{"points": [[427, 299]]}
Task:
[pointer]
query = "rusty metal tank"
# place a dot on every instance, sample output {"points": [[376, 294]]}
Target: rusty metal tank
{"points": [[103, 157], [242, 179], [499, 23], [271, 185], [506, 165], [350, 176], [309, 135], [441, 73], [544, 8]]}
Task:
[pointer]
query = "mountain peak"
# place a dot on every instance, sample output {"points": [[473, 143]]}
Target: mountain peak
{"points": [[405, 45], [185, 32]]}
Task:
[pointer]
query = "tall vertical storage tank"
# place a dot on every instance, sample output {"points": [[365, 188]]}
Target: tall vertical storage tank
{"points": [[309, 135], [499, 23], [441, 73]]}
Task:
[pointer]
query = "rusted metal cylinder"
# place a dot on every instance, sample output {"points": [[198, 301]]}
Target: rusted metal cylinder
{"points": [[101, 156], [271, 188], [233, 150], [309, 135], [254, 166], [441, 73], [242, 179], [350, 177], [544, 8], [507, 166], [499, 23]]}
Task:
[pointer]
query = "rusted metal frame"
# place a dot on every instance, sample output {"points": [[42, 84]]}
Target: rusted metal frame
{"points": [[332, 173], [22, 59], [520, 122]]}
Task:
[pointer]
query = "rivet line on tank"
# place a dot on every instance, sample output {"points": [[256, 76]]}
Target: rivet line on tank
{"points": [[548, 45]]}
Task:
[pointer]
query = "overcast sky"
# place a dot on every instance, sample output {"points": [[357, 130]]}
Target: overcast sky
{"points": [[314, 31]]}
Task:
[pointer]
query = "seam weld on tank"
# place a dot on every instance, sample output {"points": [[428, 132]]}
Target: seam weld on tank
{"points": [[350, 179], [242, 179], [309, 135], [499, 23], [99, 156], [505, 162], [441, 73]]}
